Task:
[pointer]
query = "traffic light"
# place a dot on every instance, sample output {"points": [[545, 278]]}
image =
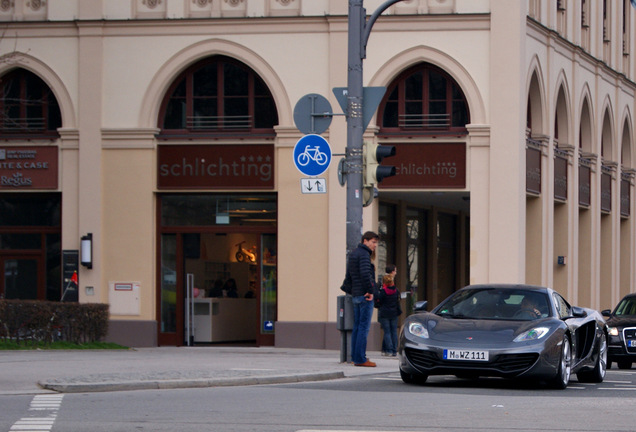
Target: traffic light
{"points": [[374, 173]]}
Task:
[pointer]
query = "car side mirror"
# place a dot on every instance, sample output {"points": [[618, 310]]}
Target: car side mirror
{"points": [[420, 306], [578, 312], [606, 312]]}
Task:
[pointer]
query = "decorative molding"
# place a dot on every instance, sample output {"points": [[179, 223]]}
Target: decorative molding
{"points": [[423, 7], [287, 136], [282, 7], [233, 8], [23, 10], [149, 9], [478, 135], [203, 8], [133, 138], [69, 138], [441, 6]]}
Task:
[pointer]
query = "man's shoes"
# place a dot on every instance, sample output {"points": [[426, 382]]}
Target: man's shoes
{"points": [[367, 363], [385, 354]]}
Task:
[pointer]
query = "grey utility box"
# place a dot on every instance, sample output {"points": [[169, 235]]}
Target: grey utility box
{"points": [[344, 321]]}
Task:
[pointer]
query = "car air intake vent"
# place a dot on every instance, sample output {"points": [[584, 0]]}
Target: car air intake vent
{"points": [[504, 364], [515, 362], [422, 359]]}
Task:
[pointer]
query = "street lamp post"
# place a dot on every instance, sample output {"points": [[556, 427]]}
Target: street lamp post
{"points": [[359, 30]]}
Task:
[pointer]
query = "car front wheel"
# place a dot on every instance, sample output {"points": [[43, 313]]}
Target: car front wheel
{"points": [[562, 378], [410, 378]]}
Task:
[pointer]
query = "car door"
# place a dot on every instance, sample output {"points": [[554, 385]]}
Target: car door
{"points": [[564, 310]]}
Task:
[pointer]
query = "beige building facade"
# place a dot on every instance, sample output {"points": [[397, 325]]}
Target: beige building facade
{"points": [[165, 130]]}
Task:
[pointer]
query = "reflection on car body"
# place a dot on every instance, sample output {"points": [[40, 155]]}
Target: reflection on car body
{"points": [[622, 332], [509, 331]]}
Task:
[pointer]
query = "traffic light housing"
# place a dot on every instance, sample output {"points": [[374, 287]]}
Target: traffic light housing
{"points": [[373, 172]]}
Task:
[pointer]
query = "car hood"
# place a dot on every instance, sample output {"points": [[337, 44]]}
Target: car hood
{"points": [[477, 330], [621, 322]]}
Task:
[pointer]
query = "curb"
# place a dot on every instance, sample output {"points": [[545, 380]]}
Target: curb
{"points": [[180, 384]]}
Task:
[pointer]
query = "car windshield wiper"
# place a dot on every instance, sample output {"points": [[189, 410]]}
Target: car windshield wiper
{"points": [[452, 315]]}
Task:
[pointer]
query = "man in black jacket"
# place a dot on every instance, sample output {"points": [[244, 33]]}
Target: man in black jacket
{"points": [[361, 270]]}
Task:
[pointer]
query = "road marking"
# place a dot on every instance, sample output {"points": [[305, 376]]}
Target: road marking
{"points": [[251, 369], [618, 388], [618, 382], [570, 387], [39, 424]]}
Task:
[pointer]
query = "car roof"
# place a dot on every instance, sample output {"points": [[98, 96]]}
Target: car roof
{"points": [[509, 287]]}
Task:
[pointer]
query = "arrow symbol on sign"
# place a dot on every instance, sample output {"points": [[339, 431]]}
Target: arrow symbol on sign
{"points": [[309, 185], [318, 185]]}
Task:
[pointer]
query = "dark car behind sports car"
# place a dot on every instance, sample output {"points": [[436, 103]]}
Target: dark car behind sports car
{"points": [[509, 331], [622, 333]]}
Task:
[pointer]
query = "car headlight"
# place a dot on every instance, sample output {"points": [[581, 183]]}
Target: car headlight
{"points": [[417, 329], [534, 334], [613, 331]]}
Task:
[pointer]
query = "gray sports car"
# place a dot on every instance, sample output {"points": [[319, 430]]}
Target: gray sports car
{"points": [[509, 331]]}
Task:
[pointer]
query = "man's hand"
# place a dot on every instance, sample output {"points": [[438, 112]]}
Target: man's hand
{"points": [[368, 296]]}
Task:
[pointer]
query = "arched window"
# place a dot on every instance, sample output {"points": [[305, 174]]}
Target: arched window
{"points": [[218, 96], [28, 106], [423, 100]]}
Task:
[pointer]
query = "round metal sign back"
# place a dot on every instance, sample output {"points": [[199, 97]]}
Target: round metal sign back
{"points": [[312, 114]]}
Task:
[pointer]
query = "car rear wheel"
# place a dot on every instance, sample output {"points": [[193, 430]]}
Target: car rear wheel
{"points": [[562, 378], [624, 364], [410, 378], [597, 374]]}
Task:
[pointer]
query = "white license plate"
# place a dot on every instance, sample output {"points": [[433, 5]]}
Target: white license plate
{"points": [[631, 343], [470, 355]]}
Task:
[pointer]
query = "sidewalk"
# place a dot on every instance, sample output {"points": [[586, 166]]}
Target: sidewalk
{"points": [[74, 371]]}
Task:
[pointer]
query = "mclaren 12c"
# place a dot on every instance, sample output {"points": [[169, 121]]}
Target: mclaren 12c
{"points": [[509, 331]]}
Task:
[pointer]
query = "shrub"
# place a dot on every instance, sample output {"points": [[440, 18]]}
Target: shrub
{"points": [[44, 321]]}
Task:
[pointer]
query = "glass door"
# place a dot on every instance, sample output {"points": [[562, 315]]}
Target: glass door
{"points": [[170, 330], [268, 290], [21, 277]]}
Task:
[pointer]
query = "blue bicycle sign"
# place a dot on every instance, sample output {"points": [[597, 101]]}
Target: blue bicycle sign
{"points": [[312, 155]]}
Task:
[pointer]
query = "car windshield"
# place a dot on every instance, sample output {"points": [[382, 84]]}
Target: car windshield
{"points": [[495, 303], [626, 307]]}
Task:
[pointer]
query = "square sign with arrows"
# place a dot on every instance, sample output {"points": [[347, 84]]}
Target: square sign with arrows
{"points": [[313, 185]]}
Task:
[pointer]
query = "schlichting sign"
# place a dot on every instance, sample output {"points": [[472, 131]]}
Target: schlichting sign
{"points": [[243, 166], [28, 167]]}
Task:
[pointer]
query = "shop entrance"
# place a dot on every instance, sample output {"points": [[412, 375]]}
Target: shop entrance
{"points": [[218, 282], [426, 235]]}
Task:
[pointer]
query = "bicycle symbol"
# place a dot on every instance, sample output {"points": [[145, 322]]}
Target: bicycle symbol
{"points": [[312, 154]]}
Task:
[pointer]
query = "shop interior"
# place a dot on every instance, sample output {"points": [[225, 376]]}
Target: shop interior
{"points": [[225, 270]]}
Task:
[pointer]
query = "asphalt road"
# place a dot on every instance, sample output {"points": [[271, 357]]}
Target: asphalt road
{"points": [[366, 403]]}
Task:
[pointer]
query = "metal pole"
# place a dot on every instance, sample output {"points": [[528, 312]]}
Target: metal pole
{"points": [[357, 16], [359, 30]]}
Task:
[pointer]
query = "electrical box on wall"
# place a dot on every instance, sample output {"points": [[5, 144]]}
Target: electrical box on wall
{"points": [[124, 298]]}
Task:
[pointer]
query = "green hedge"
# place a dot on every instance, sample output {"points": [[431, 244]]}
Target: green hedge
{"points": [[44, 321]]}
